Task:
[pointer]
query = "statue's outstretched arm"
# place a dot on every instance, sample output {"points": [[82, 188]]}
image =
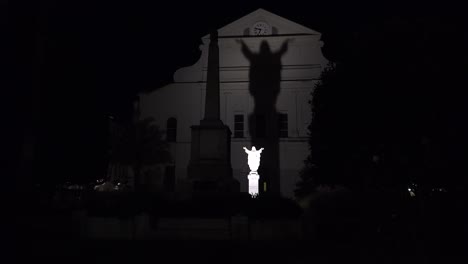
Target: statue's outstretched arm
{"points": [[284, 47], [245, 50], [260, 150], [246, 150]]}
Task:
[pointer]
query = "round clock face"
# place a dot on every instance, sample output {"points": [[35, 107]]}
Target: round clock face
{"points": [[261, 28]]}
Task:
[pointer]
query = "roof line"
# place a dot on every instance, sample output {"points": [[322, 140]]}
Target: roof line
{"points": [[295, 80], [262, 36]]}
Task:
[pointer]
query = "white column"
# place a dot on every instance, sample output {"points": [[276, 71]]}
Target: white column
{"points": [[253, 183]]}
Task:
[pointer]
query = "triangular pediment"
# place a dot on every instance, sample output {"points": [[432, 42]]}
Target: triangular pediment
{"points": [[281, 25]]}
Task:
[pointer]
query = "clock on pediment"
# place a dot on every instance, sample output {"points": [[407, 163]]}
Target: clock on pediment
{"points": [[261, 28]]}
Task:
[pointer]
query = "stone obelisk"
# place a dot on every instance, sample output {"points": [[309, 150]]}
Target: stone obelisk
{"points": [[210, 170]]}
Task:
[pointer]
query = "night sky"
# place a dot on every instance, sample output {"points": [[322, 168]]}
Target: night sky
{"points": [[77, 62]]}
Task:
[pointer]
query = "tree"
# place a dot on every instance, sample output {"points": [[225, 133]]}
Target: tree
{"points": [[137, 145], [390, 113], [321, 166]]}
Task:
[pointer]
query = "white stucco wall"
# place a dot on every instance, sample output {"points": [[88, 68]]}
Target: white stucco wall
{"points": [[185, 98]]}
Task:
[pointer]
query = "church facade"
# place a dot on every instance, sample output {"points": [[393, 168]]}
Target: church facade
{"points": [[268, 67]]}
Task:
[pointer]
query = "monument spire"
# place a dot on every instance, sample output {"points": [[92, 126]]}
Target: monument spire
{"points": [[210, 168], [212, 83]]}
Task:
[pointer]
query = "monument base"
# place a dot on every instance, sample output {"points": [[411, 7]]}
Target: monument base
{"points": [[210, 170], [253, 183]]}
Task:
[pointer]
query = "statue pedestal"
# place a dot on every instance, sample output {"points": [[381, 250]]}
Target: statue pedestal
{"points": [[253, 183]]}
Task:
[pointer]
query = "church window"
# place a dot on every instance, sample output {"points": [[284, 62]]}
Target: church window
{"points": [[238, 126], [171, 130], [283, 125]]}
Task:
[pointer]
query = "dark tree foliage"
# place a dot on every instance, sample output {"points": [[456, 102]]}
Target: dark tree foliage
{"points": [[138, 144], [391, 111], [329, 139]]}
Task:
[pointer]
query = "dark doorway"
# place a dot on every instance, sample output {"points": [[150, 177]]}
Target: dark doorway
{"points": [[169, 179], [171, 130]]}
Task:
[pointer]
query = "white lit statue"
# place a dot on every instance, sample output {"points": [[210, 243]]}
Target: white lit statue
{"points": [[254, 158]]}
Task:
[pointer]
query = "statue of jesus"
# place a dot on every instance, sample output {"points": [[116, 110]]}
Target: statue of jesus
{"points": [[254, 158]]}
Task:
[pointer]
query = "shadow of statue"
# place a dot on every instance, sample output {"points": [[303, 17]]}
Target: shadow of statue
{"points": [[264, 86]]}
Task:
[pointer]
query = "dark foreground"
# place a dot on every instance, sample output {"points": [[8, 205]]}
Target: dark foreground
{"points": [[86, 251], [437, 236]]}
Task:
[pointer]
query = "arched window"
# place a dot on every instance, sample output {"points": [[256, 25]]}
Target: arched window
{"points": [[171, 130]]}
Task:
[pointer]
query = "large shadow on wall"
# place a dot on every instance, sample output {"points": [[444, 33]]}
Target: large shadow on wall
{"points": [[264, 86]]}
